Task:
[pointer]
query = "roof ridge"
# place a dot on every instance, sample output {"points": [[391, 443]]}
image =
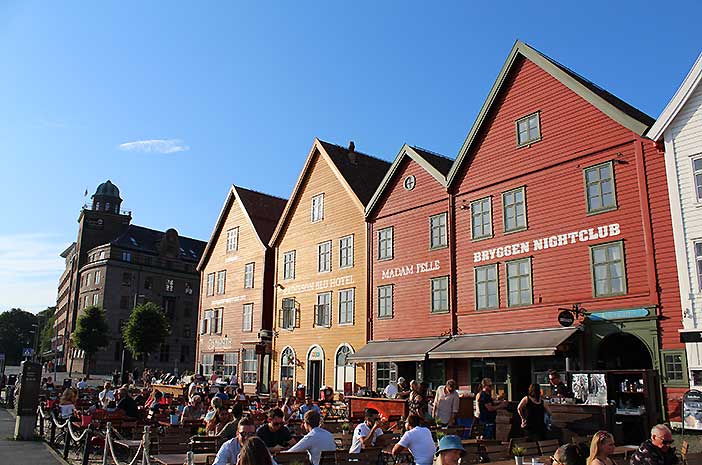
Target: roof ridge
{"points": [[432, 152], [158, 231], [355, 151], [259, 192]]}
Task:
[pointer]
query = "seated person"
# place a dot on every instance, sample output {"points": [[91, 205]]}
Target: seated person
{"points": [[317, 439], [307, 406], [194, 410], [657, 449], [274, 433], [418, 441], [229, 430], [82, 384], [127, 404], [366, 433], [221, 394], [107, 395], [228, 454], [450, 450], [570, 454], [67, 403]]}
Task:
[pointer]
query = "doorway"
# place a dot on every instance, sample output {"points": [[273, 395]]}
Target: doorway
{"points": [[314, 378], [622, 351]]}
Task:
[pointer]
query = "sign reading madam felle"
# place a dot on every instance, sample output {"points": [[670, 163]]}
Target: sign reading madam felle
{"points": [[550, 242], [417, 268]]}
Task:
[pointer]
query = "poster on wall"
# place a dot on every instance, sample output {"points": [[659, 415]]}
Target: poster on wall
{"points": [[589, 388], [692, 410]]}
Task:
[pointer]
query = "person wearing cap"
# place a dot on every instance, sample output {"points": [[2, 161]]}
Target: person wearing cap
{"points": [[417, 440], [450, 450], [446, 403], [403, 388]]}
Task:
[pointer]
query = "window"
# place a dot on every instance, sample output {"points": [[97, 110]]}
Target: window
{"points": [[247, 318], [184, 353], [249, 367], [385, 244], [207, 364], [345, 370], [346, 302], [289, 316], [322, 311], [599, 188], [697, 175], [87, 279], [231, 363], [164, 353], [481, 218], [514, 208], [528, 129], [409, 182], [249, 275], [97, 277], [96, 298], [210, 283], [385, 301], [486, 287], [216, 321], [287, 368], [698, 261], [126, 257], [148, 283], [102, 254], [675, 368], [188, 288], [187, 331], [608, 269], [439, 294], [187, 309], [126, 279], [317, 208], [346, 252], [169, 285], [384, 373], [221, 280], [205, 322], [438, 235], [519, 282], [124, 302], [324, 257], [233, 239], [289, 265]]}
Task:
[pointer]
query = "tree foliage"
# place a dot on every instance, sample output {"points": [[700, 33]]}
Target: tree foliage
{"points": [[91, 333], [146, 329], [16, 333], [46, 328]]}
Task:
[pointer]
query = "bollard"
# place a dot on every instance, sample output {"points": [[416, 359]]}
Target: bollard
{"points": [[66, 441], [52, 438], [86, 449], [40, 417], [191, 459]]}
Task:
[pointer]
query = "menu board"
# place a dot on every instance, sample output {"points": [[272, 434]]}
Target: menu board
{"points": [[29, 389], [692, 409]]}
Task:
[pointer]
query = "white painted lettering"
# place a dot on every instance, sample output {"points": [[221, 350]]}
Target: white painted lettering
{"points": [[582, 235], [538, 244], [553, 241], [562, 239], [476, 257], [614, 229]]}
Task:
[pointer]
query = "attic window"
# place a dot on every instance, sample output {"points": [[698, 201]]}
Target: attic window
{"points": [[134, 242], [528, 129], [192, 253], [182, 251], [410, 182]]}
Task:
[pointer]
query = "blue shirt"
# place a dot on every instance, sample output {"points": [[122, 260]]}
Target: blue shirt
{"points": [[229, 453], [304, 408]]}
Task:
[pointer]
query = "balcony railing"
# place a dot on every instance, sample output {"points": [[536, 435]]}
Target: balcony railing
{"points": [[121, 212]]}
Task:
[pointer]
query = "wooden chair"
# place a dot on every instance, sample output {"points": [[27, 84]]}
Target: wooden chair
{"points": [[288, 458], [473, 451], [370, 455], [476, 430], [582, 440], [548, 447], [174, 441], [328, 457], [343, 441], [497, 452]]}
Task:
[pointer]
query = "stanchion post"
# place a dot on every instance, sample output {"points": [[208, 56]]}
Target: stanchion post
{"points": [[52, 437], [66, 440], [40, 417], [147, 446], [107, 443], [191, 460], [86, 448]]}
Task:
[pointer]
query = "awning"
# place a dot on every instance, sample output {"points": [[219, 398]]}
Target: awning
{"points": [[403, 350], [542, 342], [690, 335]]}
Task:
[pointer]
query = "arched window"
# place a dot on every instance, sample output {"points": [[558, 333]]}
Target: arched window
{"points": [[345, 369], [107, 206], [287, 372]]}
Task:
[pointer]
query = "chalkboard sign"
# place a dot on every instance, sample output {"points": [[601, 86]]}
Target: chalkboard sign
{"points": [[29, 390], [692, 410]]}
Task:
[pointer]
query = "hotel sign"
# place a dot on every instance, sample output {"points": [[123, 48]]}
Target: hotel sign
{"points": [[229, 300], [417, 268], [550, 242], [219, 343], [317, 285]]}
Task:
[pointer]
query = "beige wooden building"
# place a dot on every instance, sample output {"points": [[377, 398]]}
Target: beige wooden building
{"points": [[321, 271]]}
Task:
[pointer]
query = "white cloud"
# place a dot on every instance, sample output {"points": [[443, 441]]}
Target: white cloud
{"points": [[30, 267], [155, 145]]}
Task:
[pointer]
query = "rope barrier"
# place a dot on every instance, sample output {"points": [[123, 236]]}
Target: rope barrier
{"points": [[109, 447]]}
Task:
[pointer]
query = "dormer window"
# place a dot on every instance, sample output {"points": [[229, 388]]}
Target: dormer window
{"points": [[528, 129]]}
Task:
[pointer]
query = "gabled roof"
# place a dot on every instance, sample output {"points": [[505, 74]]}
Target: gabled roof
{"points": [[262, 211], [609, 104], [433, 163], [360, 173], [687, 88], [143, 239], [68, 251]]}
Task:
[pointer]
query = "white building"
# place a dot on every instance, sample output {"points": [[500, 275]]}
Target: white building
{"points": [[679, 127]]}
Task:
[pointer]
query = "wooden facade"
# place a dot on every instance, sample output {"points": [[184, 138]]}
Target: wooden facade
{"points": [[315, 325], [236, 296]]}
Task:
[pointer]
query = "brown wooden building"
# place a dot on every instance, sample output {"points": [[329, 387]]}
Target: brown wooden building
{"points": [[236, 299], [321, 270]]}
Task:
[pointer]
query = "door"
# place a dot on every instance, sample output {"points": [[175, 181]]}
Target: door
{"points": [[314, 378]]}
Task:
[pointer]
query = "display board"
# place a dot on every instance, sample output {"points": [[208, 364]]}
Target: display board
{"points": [[589, 388], [28, 399], [692, 410]]}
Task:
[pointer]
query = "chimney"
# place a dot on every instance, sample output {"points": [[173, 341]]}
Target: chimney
{"points": [[352, 154]]}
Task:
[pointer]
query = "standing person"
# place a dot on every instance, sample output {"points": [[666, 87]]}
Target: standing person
{"points": [[657, 450], [228, 454], [366, 433], [487, 408], [532, 410], [558, 387], [418, 441], [403, 388], [274, 433], [446, 403], [601, 448], [317, 439], [391, 390], [450, 450], [418, 403], [289, 408], [254, 452]]}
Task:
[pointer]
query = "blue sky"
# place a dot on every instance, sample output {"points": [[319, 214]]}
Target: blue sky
{"points": [[237, 91]]}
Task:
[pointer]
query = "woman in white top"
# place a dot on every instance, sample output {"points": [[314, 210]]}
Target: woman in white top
{"points": [[67, 403], [601, 447]]}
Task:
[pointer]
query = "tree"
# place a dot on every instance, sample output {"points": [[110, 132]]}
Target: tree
{"points": [[46, 328], [146, 329], [16, 333], [91, 333]]}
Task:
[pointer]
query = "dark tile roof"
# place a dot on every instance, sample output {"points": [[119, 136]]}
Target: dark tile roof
{"points": [[263, 209], [146, 240], [440, 162], [607, 96], [364, 173]]}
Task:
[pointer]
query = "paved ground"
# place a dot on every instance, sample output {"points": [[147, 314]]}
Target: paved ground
{"points": [[23, 452]]}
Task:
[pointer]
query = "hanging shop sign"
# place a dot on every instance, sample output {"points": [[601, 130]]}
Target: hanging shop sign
{"points": [[566, 318], [317, 285], [417, 268], [550, 242]]}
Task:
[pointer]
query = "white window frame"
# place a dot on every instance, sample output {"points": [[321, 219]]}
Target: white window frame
{"points": [[698, 262], [386, 243], [515, 206], [438, 286], [246, 368], [324, 257], [96, 299], [391, 368], [482, 202], [126, 256], [210, 284], [344, 373], [233, 239], [249, 270], [485, 283], [247, 317], [519, 277], [697, 188], [289, 366], [438, 233], [322, 310], [289, 265], [346, 252], [97, 277], [169, 285], [221, 282], [289, 320], [347, 306], [317, 213], [386, 301]]}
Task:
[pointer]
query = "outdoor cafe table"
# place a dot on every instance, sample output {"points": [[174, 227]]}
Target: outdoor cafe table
{"points": [[180, 459]]}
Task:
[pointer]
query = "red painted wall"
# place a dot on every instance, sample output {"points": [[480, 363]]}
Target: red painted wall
{"points": [[408, 212]]}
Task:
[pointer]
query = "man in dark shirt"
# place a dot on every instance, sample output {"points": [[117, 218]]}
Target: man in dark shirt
{"points": [[274, 433], [658, 450], [127, 403], [558, 388]]}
